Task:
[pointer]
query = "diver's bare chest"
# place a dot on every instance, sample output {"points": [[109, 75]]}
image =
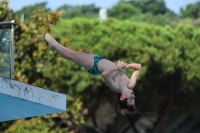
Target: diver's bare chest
{"points": [[120, 78]]}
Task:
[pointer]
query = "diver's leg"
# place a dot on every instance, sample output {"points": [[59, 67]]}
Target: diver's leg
{"points": [[83, 59]]}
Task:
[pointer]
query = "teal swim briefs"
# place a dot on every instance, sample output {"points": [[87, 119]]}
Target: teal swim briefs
{"points": [[94, 70]]}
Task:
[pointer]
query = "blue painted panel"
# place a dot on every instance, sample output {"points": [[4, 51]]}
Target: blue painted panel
{"points": [[14, 108]]}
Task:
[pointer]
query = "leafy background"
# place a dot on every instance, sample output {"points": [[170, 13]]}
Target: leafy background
{"points": [[166, 44]]}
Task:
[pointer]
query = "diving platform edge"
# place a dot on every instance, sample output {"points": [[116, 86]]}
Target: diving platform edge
{"points": [[20, 100]]}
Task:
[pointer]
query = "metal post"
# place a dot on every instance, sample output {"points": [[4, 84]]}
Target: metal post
{"points": [[12, 50]]}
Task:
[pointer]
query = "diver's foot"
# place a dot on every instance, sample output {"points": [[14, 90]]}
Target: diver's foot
{"points": [[50, 41]]}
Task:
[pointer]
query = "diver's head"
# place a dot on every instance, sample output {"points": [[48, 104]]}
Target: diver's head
{"points": [[126, 102]]}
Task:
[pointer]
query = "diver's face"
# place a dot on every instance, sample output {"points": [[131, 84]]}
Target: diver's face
{"points": [[130, 101], [129, 95]]}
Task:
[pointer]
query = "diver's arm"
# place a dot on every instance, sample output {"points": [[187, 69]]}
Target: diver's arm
{"points": [[110, 71], [135, 74], [113, 86], [135, 66], [119, 65]]}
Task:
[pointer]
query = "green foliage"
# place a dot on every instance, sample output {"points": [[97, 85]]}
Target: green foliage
{"points": [[149, 6], [161, 20], [185, 21], [123, 11], [88, 11], [169, 56], [30, 35], [27, 10], [28, 63], [5, 12], [160, 50], [191, 11], [154, 12], [190, 54], [32, 59], [33, 125], [77, 110]]}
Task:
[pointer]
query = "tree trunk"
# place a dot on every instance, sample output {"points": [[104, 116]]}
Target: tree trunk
{"points": [[164, 115], [168, 110]]}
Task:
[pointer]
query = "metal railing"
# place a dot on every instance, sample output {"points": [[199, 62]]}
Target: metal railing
{"points": [[9, 25]]}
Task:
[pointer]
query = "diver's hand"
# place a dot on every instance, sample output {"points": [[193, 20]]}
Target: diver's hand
{"points": [[121, 64]]}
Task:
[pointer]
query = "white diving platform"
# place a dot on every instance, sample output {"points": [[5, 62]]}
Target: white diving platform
{"points": [[19, 100]]}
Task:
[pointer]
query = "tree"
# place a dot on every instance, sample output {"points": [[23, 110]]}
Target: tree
{"points": [[154, 12], [161, 20], [123, 11], [191, 11], [6, 13], [27, 10], [27, 35], [161, 51], [88, 11], [155, 7], [168, 81]]}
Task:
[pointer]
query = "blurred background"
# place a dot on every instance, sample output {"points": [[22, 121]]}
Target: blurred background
{"points": [[162, 35]]}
